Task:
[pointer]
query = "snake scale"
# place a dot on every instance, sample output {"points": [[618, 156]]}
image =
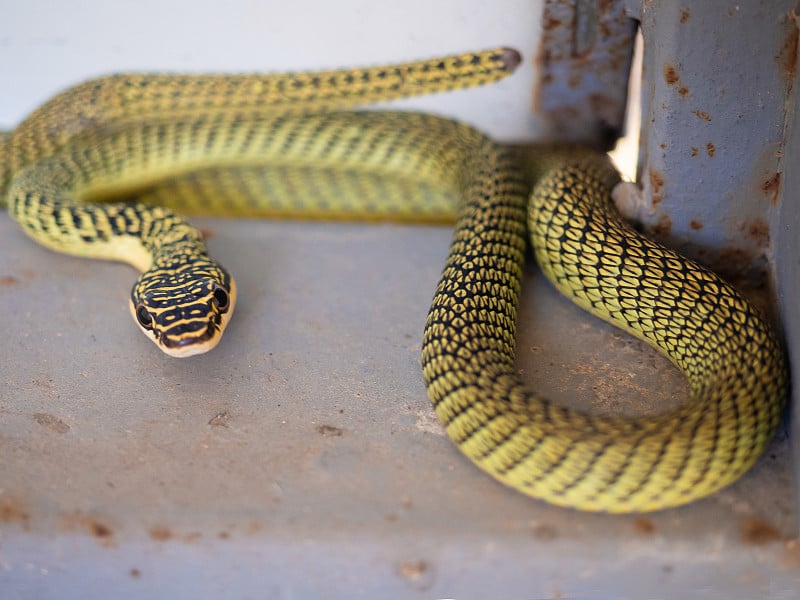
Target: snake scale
{"points": [[88, 173]]}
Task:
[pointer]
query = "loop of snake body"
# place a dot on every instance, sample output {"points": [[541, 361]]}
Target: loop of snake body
{"points": [[88, 172]]}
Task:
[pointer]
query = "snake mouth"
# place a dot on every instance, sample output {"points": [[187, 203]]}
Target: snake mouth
{"points": [[190, 346], [189, 341]]}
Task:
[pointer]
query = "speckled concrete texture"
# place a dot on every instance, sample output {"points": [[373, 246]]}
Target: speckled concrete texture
{"points": [[301, 456]]}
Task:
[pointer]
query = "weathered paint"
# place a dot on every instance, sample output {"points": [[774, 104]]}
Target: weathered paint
{"points": [[583, 61], [714, 125]]}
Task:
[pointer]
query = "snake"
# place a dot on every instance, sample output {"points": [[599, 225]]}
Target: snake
{"points": [[106, 168]]}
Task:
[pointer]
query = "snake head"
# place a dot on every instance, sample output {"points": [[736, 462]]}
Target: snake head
{"points": [[186, 316]]}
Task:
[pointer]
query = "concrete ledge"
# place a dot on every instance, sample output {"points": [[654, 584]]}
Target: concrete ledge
{"points": [[301, 458]]}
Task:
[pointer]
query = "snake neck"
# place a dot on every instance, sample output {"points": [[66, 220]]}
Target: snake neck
{"points": [[183, 298]]}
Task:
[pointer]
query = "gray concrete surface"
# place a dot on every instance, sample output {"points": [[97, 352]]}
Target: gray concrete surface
{"points": [[301, 458]]}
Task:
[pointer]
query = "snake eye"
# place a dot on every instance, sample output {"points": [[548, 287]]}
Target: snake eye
{"points": [[220, 298], [143, 316]]}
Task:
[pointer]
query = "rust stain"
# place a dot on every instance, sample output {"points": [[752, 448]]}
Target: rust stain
{"points": [[575, 80], [207, 233], [656, 180], [412, 570], [330, 431], [694, 151], [757, 532], [541, 61], [644, 526], [685, 14], [545, 533], [99, 530], [160, 533], [656, 200], [758, 230], [696, 225], [710, 149], [662, 228], [772, 187], [135, 573], [670, 74], [606, 6], [11, 511], [701, 115], [551, 23], [220, 419], [9, 280], [51, 422], [787, 57], [683, 91]]}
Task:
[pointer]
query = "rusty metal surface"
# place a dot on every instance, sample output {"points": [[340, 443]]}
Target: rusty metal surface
{"points": [[583, 60], [786, 227], [718, 77], [301, 457]]}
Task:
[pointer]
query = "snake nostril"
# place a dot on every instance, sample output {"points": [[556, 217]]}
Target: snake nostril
{"points": [[220, 297], [144, 317]]}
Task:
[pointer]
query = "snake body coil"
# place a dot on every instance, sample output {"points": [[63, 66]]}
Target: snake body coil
{"points": [[734, 363], [278, 145]]}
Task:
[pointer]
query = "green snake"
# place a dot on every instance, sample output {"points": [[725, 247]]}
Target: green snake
{"points": [[90, 171]]}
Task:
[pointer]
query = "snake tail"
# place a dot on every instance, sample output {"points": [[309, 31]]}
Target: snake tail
{"points": [[120, 99]]}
